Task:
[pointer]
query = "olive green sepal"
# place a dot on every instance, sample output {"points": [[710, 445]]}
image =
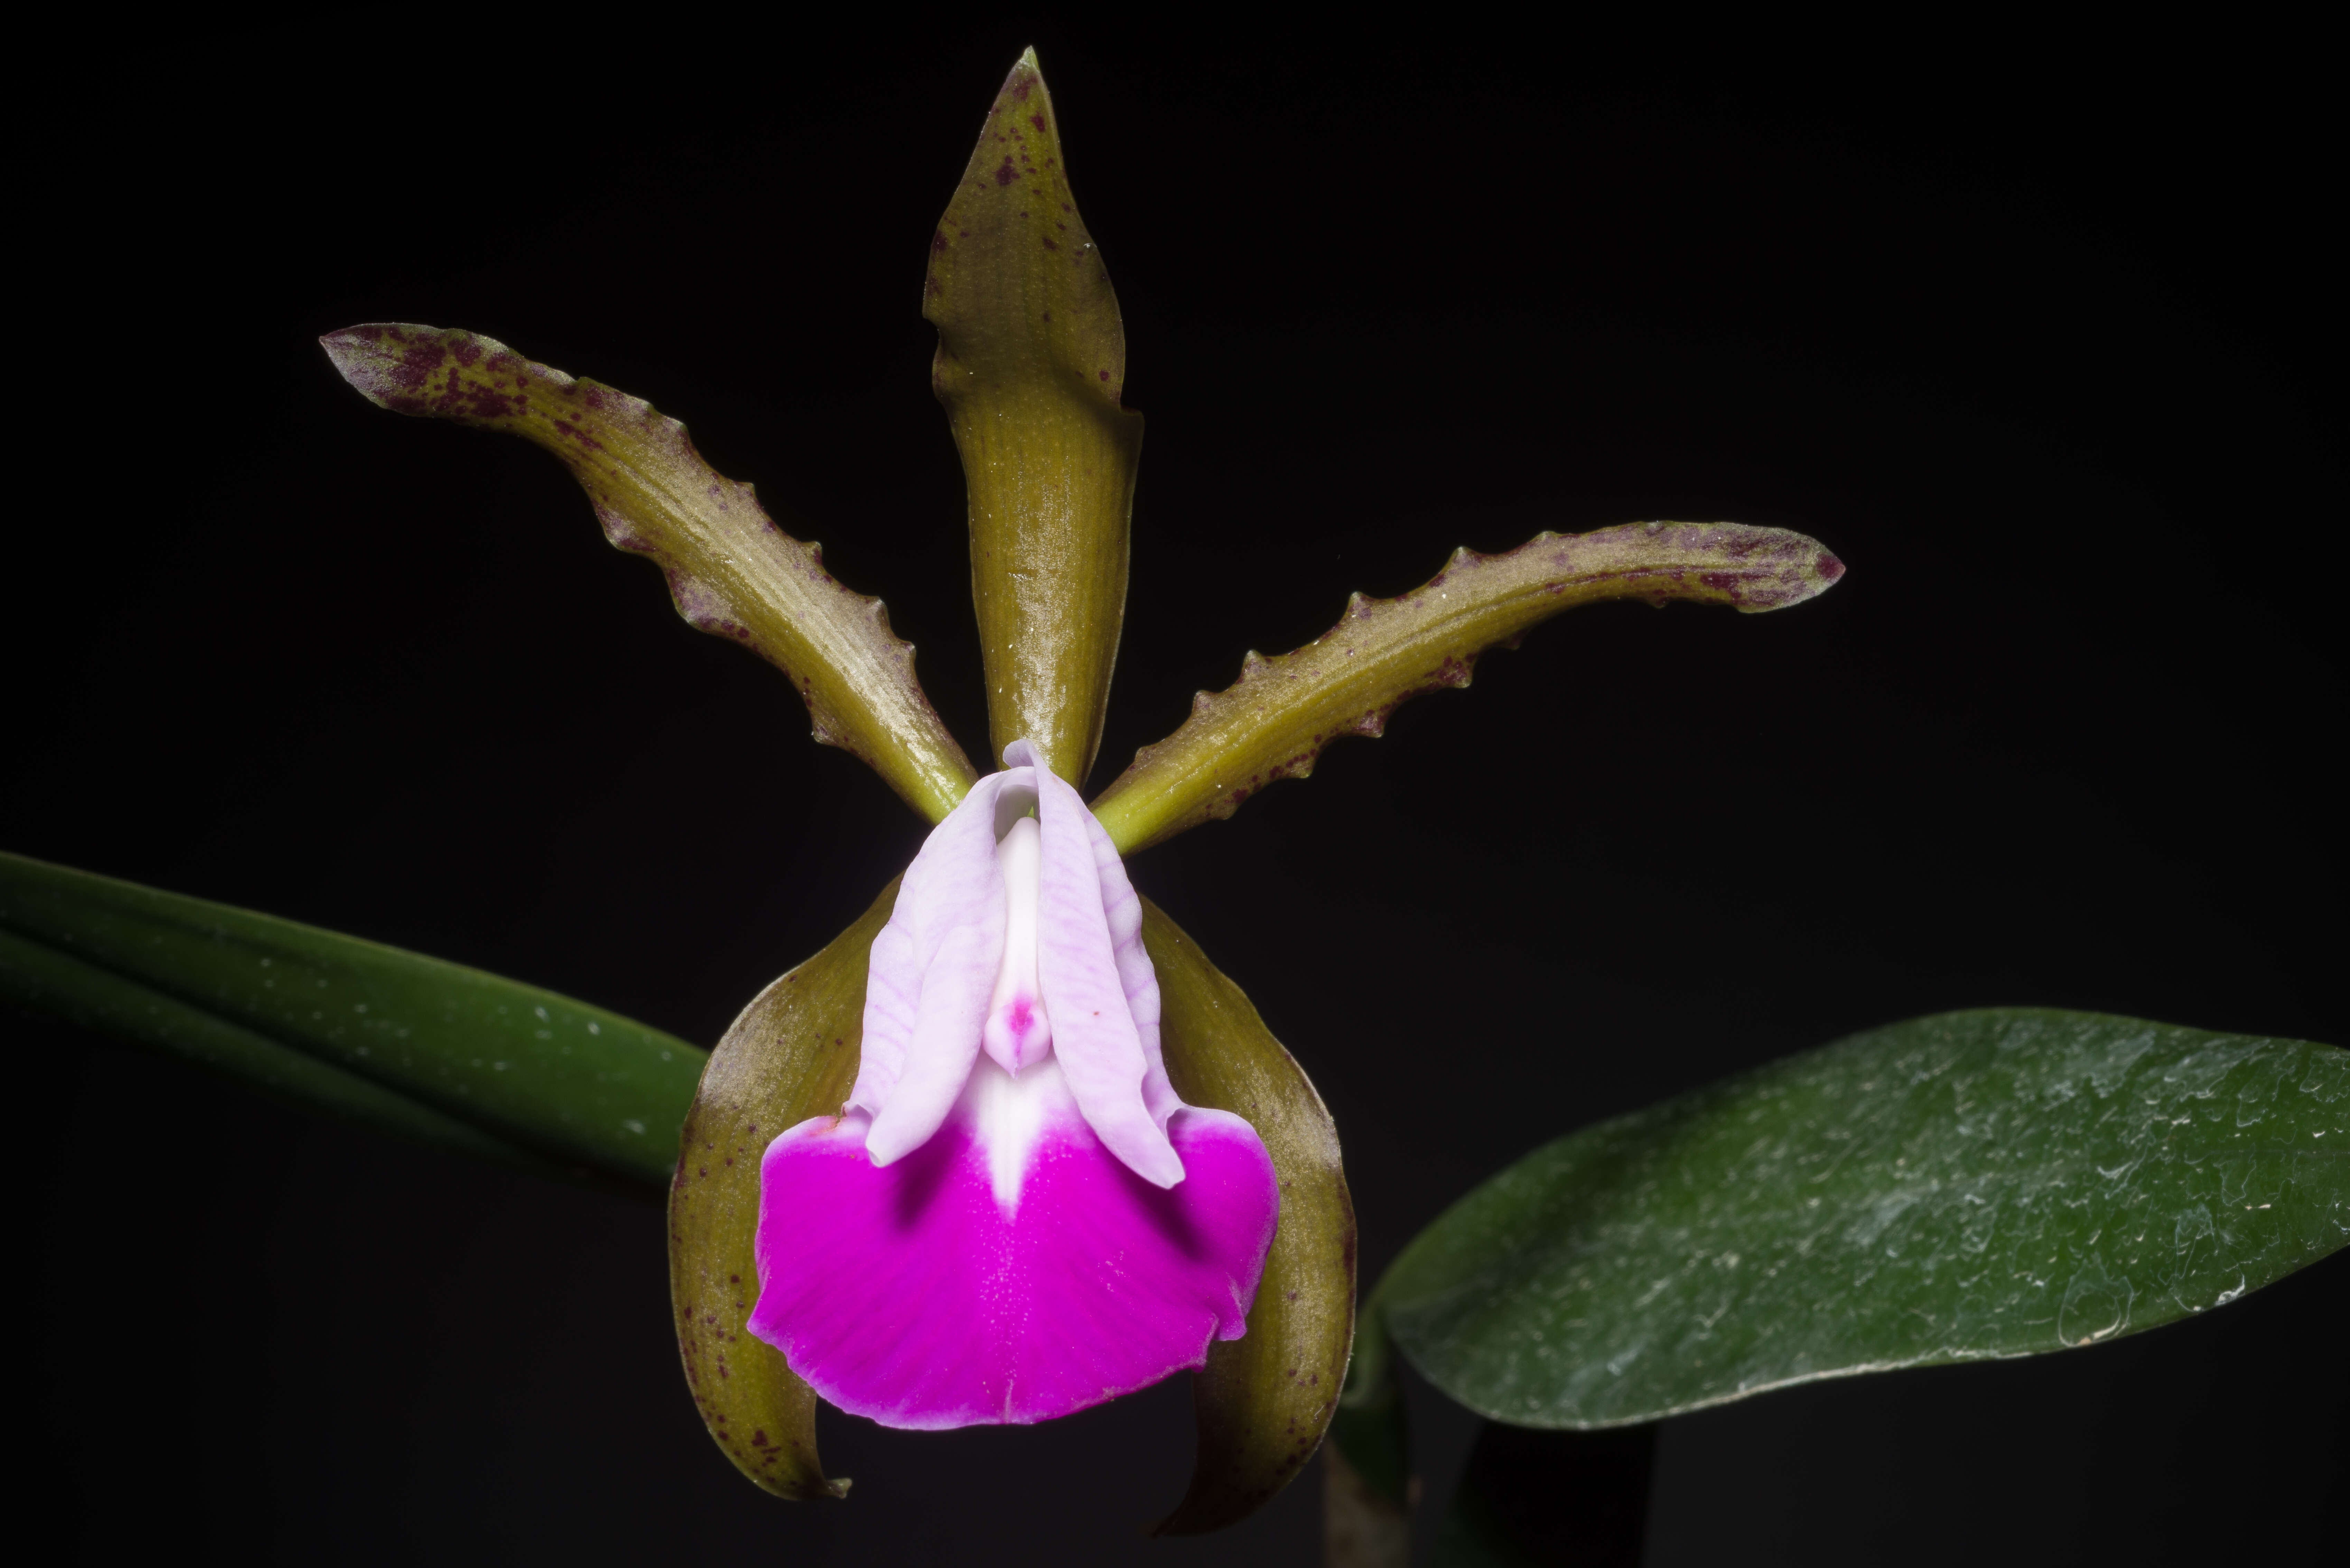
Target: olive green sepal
{"points": [[1274, 720], [730, 571], [1264, 1400], [1031, 366], [791, 1054]]}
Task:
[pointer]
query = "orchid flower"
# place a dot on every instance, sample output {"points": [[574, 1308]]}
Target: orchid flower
{"points": [[1015, 1215], [1011, 1145]]}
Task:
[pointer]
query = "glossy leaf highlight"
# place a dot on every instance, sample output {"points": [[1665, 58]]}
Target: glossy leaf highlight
{"points": [[1973, 1184], [1273, 722], [730, 571], [1030, 367], [1265, 1399], [409, 1044], [790, 1055]]}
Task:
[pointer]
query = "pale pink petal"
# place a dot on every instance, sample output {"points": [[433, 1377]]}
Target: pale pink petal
{"points": [[1122, 910], [1095, 1037], [932, 969], [913, 1296], [893, 985], [945, 1041]]}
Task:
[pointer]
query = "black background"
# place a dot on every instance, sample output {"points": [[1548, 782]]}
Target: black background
{"points": [[2035, 332]]}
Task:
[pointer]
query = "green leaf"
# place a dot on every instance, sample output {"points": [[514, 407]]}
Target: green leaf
{"points": [[1265, 1399], [409, 1044], [45, 980], [1273, 722], [791, 1054], [1031, 365], [1996, 1183], [731, 572]]}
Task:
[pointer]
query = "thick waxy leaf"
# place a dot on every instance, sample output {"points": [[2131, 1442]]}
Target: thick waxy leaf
{"points": [[1265, 1399], [46, 981], [1981, 1184], [731, 572], [791, 1055], [1031, 363], [1276, 721], [410, 1045]]}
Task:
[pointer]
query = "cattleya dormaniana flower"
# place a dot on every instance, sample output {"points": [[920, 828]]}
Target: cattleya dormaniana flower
{"points": [[1010, 1145], [1015, 1215]]}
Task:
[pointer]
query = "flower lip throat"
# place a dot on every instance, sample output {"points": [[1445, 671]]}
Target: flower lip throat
{"points": [[1019, 1030]]}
